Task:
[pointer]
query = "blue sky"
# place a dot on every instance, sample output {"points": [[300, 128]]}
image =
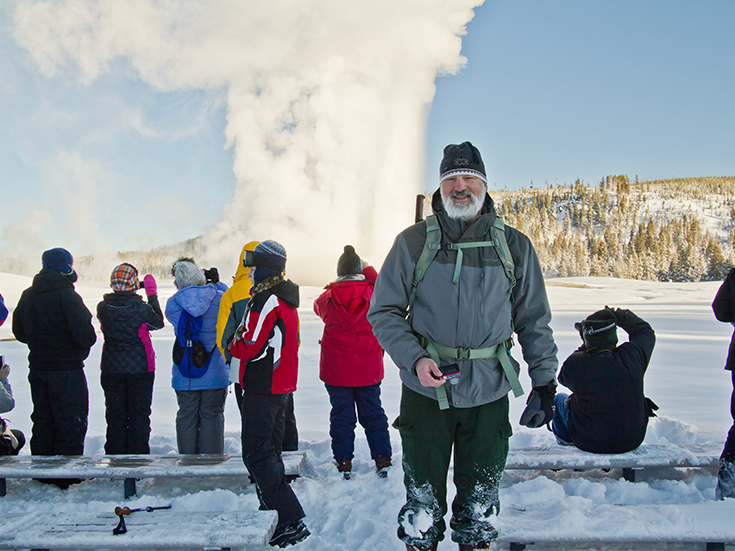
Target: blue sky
{"points": [[552, 91], [581, 89]]}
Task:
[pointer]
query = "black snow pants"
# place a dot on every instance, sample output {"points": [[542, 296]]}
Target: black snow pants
{"points": [[263, 423], [60, 411], [128, 398]]}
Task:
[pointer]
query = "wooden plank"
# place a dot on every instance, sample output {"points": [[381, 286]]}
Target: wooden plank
{"points": [[648, 455], [158, 529], [134, 466], [570, 523]]}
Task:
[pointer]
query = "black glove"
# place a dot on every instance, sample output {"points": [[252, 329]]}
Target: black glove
{"points": [[212, 275], [539, 406]]}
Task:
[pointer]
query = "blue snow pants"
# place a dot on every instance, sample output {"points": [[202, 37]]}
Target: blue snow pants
{"points": [[342, 420]]}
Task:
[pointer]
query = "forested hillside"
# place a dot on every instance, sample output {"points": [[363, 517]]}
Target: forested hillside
{"points": [[668, 230]]}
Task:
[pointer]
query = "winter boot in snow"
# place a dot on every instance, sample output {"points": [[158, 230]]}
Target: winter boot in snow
{"points": [[382, 464], [474, 547], [290, 534], [725, 480], [432, 547], [345, 467]]}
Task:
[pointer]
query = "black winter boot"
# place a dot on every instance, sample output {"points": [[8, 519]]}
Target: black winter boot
{"points": [[725, 480], [432, 547], [290, 534]]}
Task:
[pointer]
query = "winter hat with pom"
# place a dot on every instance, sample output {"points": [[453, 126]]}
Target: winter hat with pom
{"points": [[349, 263], [599, 330], [59, 260], [124, 278], [187, 274], [462, 159], [275, 254]]}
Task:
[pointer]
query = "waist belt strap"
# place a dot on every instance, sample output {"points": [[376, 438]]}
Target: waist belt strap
{"points": [[500, 351]]}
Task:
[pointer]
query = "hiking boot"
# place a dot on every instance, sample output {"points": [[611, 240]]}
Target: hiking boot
{"points": [[382, 464], [725, 480], [345, 467], [432, 547], [290, 534]]}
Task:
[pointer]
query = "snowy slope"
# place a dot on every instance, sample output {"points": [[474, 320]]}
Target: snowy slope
{"points": [[685, 379]]}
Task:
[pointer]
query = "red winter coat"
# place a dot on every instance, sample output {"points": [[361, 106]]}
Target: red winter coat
{"points": [[351, 355]]}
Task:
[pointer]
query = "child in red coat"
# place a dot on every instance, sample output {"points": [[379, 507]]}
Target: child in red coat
{"points": [[351, 364]]}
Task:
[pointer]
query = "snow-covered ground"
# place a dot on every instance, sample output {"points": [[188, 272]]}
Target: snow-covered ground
{"points": [[685, 378]]}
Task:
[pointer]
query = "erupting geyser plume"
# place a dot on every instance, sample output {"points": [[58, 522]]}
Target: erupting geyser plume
{"points": [[326, 102]]}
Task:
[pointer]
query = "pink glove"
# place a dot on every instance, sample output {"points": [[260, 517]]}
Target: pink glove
{"points": [[149, 282]]}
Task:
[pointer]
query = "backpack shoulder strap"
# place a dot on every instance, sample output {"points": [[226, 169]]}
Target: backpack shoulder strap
{"points": [[431, 246], [501, 247]]}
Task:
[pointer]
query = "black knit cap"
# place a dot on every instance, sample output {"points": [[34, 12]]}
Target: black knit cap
{"points": [[462, 159], [349, 263], [599, 329]]}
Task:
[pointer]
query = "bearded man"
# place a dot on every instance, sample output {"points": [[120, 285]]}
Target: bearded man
{"points": [[447, 311]]}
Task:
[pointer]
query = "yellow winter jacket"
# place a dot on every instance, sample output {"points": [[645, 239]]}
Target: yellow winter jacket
{"points": [[239, 291]]}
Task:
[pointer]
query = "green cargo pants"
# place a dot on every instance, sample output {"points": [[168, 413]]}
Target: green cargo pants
{"points": [[479, 437]]}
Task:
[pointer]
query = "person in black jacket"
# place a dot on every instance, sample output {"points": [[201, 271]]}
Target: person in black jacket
{"points": [[607, 412], [128, 360], [724, 308], [53, 321]]}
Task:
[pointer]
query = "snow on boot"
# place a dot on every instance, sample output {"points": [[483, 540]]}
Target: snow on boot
{"points": [[345, 467], [725, 480], [290, 534], [382, 464], [432, 547], [474, 547]]}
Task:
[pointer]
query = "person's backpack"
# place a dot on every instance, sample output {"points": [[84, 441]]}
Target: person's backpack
{"points": [[189, 354]]}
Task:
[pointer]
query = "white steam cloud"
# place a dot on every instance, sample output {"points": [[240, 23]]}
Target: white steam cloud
{"points": [[326, 101]]}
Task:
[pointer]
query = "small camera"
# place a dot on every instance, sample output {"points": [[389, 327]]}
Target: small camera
{"points": [[450, 373]]}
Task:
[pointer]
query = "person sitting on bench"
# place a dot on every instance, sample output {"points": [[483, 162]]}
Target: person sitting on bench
{"points": [[607, 412]]}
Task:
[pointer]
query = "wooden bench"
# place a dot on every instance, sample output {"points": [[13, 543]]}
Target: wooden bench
{"points": [[557, 457], [132, 467], [155, 530], [708, 524]]}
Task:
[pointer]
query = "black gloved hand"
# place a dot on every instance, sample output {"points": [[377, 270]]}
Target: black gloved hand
{"points": [[540, 407], [212, 275]]}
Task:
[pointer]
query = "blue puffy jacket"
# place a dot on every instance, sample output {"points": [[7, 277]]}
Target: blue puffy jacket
{"points": [[200, 300]]}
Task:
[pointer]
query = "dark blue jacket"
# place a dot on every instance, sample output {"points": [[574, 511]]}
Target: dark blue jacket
{"points": [[125, 320], [608, 411], [53, 321], [724, 308]]}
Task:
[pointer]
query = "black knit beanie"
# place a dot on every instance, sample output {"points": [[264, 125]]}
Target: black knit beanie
{"points": [[599, 330], [349, 263], [462, 159]]}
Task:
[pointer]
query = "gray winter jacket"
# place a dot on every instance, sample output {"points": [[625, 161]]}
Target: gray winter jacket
{"points": [[477, 312], [6, 396]]}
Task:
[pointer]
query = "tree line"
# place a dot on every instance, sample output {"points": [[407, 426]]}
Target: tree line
{"points": [[667, 230]]}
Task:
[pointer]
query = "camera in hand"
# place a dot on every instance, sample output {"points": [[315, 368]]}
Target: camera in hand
{"points": [[450, 373]]}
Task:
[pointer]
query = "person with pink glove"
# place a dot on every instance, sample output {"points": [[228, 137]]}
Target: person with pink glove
{"points": [[128, 360]]}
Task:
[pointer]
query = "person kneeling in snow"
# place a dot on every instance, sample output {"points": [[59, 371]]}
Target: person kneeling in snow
{"points": [[724, 308], [267, 344], [607, 412], [351, 364]]}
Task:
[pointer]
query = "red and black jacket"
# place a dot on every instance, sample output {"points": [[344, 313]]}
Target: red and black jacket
{"points": [[268, 340]]}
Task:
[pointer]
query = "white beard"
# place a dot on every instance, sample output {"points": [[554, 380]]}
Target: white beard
{"points": [[462, 211]]}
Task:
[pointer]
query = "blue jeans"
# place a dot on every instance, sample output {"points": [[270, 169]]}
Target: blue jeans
{"points": [[561, 420], [342, 420]]}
